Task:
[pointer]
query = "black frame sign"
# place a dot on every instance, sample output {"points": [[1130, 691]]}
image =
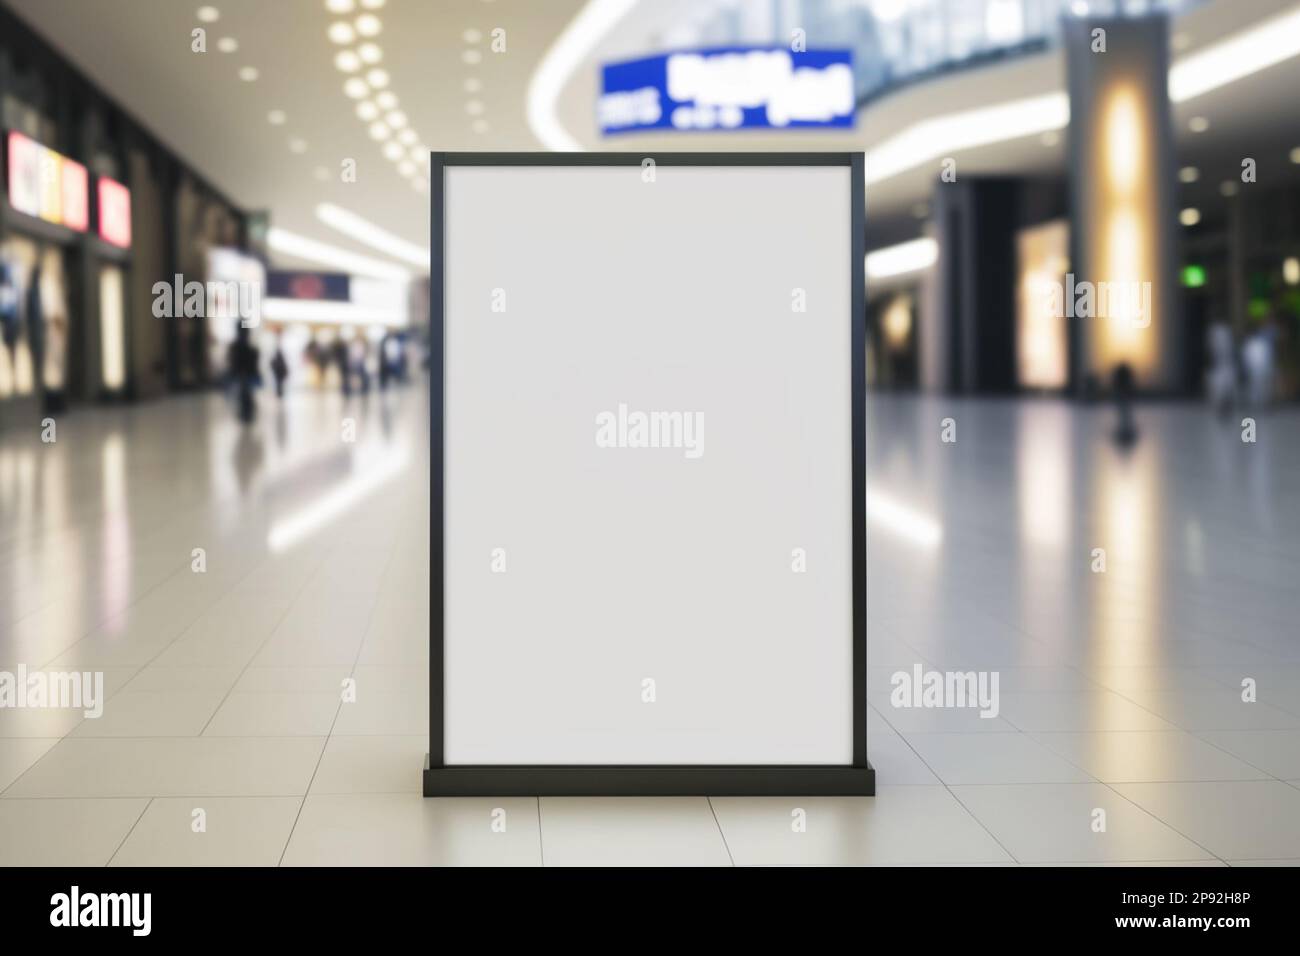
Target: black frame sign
{"points": [[614, 611]]}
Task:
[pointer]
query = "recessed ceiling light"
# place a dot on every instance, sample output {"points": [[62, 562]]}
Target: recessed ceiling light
{"points": [[1189, 174], [368, 25], [208, 14], [1295, 155], [406, 167], [393, 151], [386, 100], [480, 126], [356, 88], [227, 44], [473, 84], [471, 56], [298, 145], [396, 119], [276, 117], [379, 131], [472, 36], [367, 110], [377, 78], [370, 52], [474, 107], [248, 73], [341, 32], [339, 6], [1228, 188], [407, 136], [1189, 216], [1291, 270], [1198, 124], [347, 61]]}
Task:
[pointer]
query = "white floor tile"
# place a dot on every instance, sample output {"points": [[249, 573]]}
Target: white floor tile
{"points": [[237, 831], [631, 831]]}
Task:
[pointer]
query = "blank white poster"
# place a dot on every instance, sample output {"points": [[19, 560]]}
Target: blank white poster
{"points": [[647, 441]]}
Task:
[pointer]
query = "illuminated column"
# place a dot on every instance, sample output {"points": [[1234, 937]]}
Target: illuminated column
{"points": [[1120, 297]]}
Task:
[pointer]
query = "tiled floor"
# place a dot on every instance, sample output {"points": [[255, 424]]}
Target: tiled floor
{"points": [[1122, 735]]}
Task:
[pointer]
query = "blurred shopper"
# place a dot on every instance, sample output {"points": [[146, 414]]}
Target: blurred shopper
{"points": [[339, 352], [358, 356], [1126, 432], [279, 368], [1258, 357], [1221, 377], [245, 362]]}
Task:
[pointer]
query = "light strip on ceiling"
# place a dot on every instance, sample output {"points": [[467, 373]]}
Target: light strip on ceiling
{"points": [[323, 312], [367, 233], [560, 62], [300, 247], [1257, 48], [941, 136], [912, 256]]}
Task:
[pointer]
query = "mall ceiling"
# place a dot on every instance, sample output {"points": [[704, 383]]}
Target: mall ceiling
{"points": [[275, 139]]}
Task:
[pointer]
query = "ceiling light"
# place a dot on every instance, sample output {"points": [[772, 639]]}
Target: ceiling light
{"points": [[207, 14], [377, 78], [379, 131], [1228, 188], [1198, 124], [356, 88], [420, 153], [1291, 271], [227, 44], [368, 25], [561, 60], [347, 61], [341, 32], [338, 6], [1189, 174], [474, 107], [301, 247], [393, 151], [407, 136], [370, 52], [248, 73], [366, 232], [406, 168], [386, 100], [367, 111], [480, 126], [1295, 155], [472, 36], [903, 258], [473, 84], [276, 117], [396, 119], [471, 56], [1189, 216], [1266, 43]]}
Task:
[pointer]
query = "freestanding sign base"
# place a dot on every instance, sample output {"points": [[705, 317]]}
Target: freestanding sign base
{"points": [[624, 602]]}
